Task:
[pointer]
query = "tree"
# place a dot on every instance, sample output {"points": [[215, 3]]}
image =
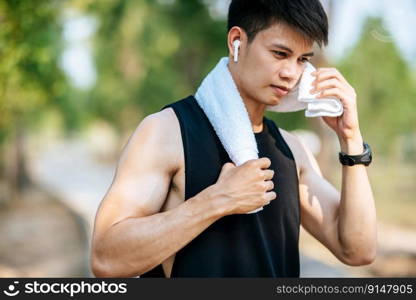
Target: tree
{"points": [[385, 88], [31, 80], [149, 54]]}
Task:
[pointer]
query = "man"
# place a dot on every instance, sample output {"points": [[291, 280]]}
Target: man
{"points": [[178, 207]]}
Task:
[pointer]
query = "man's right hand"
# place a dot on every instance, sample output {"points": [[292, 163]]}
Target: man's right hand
{"points": [[244, 188]]}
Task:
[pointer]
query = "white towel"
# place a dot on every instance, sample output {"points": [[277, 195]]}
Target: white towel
{"points": [[300, 98], [220, 100]]}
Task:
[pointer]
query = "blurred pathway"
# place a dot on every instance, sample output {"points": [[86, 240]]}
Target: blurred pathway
{"points": [[68, 170]]}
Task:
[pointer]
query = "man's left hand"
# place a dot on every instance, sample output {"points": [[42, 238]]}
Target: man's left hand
{"points": [[330, 83]]}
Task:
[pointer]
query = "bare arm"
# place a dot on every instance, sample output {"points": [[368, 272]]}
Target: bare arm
{"points": [[343, 222], [131, 235], [357, 224], [138, 244]]}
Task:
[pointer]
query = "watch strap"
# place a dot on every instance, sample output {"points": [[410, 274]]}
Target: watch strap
{"points": [[350, 160]]}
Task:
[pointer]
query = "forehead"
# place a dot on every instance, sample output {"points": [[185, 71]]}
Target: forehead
{"points": [[286, 35]]}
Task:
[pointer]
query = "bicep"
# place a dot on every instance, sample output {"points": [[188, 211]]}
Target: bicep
{"points": [[319, 205], [142, 178], [319, 201]]}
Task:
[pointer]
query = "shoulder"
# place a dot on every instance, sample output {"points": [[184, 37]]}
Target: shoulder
{"points": [[143, 175], [157, 138], [159, 125], [159, 122]]}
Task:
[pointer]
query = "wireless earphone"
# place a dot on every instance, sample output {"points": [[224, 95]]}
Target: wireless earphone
{"points": [[236, 44]]}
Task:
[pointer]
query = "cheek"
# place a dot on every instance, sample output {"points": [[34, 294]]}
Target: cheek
{"points": [[259, 70], [260, 75], [266, 70]]}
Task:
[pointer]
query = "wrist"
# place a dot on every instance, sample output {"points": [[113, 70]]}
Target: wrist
{"points": [[352, 146], [217, 201]]}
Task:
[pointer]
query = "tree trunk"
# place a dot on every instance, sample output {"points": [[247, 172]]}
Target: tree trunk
{"points": [[15, 170]]}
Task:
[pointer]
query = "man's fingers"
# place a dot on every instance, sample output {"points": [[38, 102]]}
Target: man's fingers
{"points": [[327, 73], [268, 174], [269, 185], [330, 83], [264, 162], [269, 196]]}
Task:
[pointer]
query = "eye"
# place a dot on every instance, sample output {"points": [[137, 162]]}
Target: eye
{"points": [[304, 60], [281, 54]]}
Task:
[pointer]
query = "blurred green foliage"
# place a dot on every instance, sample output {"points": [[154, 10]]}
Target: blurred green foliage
{"points": [[30, 47], [386, 89], [149, 54]]}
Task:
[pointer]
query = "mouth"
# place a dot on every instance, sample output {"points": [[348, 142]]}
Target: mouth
{"points": [[280, 90]]}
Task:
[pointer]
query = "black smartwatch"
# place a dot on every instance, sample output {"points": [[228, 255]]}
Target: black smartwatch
{"points": [[349, 160]]}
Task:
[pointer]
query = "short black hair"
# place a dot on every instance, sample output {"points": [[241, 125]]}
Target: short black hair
{"points": [[306, 16]]}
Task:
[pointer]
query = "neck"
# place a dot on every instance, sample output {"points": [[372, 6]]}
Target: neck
{"points": [[255, 113], [254, 108]]}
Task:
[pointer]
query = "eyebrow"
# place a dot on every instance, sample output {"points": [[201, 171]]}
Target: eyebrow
{"points": [[290, 50]]}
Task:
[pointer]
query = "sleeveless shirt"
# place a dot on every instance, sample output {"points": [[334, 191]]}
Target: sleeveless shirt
{"points": [[262, 244]]}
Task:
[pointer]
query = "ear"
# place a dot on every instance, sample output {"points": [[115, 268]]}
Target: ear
{"points": [[236, 33]]}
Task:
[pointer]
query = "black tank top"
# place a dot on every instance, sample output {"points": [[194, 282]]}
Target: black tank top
{"points": [[263, 244]]}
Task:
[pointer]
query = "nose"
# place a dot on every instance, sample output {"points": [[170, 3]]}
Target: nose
{"points": [[290, 71]]}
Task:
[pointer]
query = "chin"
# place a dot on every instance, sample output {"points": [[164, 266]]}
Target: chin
{"points": [[269, 100], [274, 100]]}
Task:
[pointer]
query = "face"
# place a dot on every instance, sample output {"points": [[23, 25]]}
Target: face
{"points": [[271, 64]]}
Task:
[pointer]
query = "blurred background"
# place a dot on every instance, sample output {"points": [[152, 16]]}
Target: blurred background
{"points": [[77, 77]]}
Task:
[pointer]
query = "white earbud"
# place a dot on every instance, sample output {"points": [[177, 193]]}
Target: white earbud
{"points": [[236, 44]]}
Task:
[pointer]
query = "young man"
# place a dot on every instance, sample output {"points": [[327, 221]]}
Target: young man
{"points": [[177, 205]]}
